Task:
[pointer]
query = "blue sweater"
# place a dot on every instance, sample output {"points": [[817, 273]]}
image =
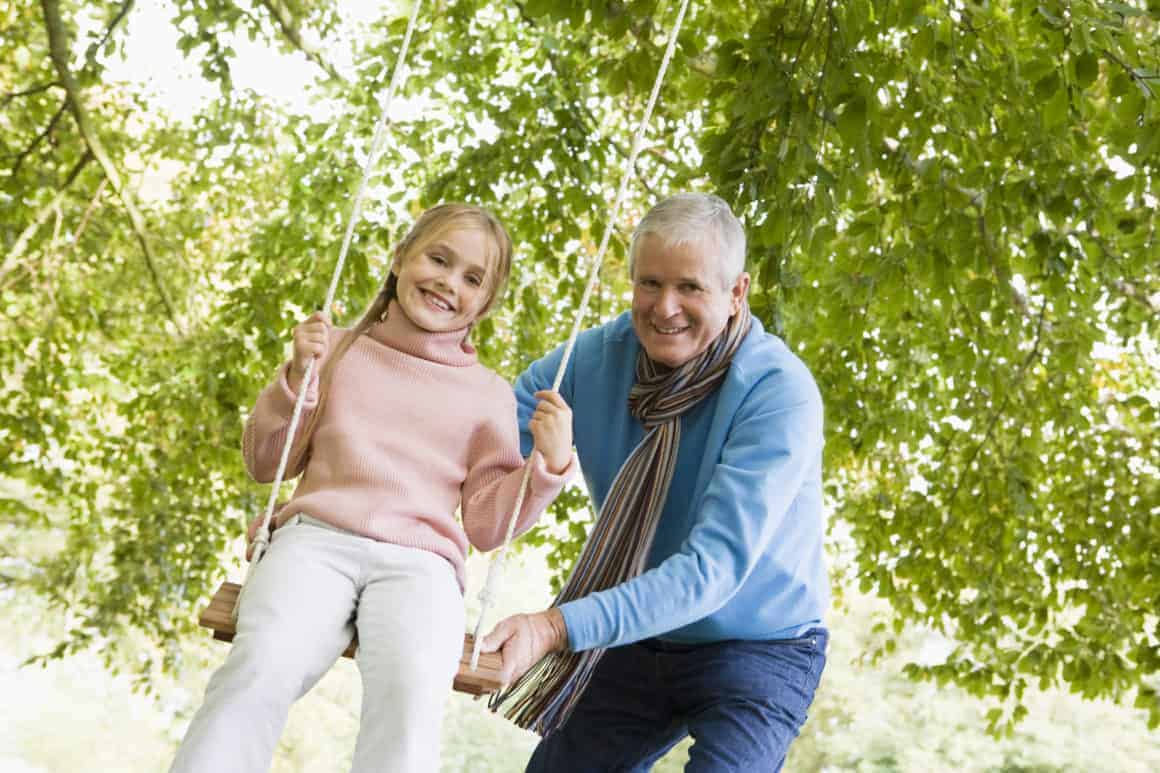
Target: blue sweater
{"points": [[738, 550]]}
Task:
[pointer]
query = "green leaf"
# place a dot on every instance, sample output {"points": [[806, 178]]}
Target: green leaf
{"points": [[852, 120], [1047, 86], [978, 294], [1087, 69], [1055, 111], [1052, 18], [1124, 9]]}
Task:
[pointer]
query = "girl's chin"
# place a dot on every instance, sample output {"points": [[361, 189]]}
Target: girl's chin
{"points": [[432, 320]]}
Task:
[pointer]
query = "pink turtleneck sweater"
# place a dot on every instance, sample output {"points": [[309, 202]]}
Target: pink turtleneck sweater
{"points": [[414, 428]]}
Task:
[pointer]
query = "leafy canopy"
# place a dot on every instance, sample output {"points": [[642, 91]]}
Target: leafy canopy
{"points": [[950, 210]]}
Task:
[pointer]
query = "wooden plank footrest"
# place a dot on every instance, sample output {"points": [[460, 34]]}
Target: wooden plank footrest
{"points": [[482, 681]]}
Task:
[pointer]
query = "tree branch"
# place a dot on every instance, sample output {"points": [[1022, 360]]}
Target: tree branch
{"points": [[122, 12], [1140, 80], [76, 237], [1126, 287], [58, 46], [42, 216], [1004, 276], [38, 139], [1027, 361], [290, 30], [1132, 292], [11, 95]]}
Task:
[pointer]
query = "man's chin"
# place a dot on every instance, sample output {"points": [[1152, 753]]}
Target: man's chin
{"points": [[668, 354]]}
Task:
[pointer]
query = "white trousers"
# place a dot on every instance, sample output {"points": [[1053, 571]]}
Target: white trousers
{"points": [[310, 592]]}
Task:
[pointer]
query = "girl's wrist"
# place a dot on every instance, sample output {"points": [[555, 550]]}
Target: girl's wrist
{"points": [[554, 467]]}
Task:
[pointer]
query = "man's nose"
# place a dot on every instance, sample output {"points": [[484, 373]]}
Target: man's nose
{"points": [[668, 303]]}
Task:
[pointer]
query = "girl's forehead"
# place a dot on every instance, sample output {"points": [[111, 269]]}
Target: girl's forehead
{"points": [[467, 243]]}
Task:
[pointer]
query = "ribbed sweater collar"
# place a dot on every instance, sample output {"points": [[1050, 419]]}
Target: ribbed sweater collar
{"points": [[399, 332]]}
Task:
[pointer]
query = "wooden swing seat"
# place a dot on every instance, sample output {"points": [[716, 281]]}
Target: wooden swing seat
{"points": [[482, 681]]}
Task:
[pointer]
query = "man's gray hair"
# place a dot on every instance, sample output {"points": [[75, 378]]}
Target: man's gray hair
{"points": [[695, 218]]}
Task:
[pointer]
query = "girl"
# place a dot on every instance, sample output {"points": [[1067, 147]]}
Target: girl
{"points": [[402, 427]]}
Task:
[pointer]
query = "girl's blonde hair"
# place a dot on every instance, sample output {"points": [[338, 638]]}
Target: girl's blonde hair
{"points": [[428, 228]]}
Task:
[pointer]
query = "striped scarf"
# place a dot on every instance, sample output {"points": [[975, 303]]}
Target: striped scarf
{"points": [[617, 549]]}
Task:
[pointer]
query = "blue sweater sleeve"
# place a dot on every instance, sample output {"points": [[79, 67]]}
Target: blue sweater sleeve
{"points": [[775, 437]]}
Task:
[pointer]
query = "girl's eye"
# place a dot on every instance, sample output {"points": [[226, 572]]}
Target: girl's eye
{"points": [[437, 258], [474, 280]]}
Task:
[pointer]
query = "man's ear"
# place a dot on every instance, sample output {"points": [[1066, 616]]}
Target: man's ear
{"points": [[737, 293]]}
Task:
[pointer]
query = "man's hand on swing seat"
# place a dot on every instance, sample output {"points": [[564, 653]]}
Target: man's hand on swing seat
{"points": [[522, 640]]}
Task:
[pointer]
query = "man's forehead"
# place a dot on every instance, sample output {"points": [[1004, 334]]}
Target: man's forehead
{"points": [[691, 259]]}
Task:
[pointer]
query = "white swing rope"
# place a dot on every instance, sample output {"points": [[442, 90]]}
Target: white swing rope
{"points": [[495, 570], [262, 538]]}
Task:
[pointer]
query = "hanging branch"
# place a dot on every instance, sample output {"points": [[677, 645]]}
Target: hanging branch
{"points": [[58, 46], [285, 21], [1137, 77], [76, 237], [11, 95], [22, 241], [1028, 361], [1132, 292], [38, 139], [122, 12], [90, 56]]}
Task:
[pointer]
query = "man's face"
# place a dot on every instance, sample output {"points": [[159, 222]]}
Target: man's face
{"points": [[680, 303]]}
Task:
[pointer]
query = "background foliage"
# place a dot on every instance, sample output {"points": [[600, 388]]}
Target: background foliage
{"points": [[950, 209]]}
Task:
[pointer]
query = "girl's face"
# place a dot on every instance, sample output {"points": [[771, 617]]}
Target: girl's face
{"points": [[445, 285]]}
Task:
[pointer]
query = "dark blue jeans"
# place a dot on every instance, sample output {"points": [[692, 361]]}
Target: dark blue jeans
{"points": [[743, 702]]}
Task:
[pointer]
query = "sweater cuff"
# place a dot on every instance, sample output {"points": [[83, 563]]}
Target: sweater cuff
{"points": [[572, 625], [544, 480], [292, 396]]}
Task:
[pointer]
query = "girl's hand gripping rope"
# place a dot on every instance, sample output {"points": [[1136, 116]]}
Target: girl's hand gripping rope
{"points": [[551, 427], [311, 340]]}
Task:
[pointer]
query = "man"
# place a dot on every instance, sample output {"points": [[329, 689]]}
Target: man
{"points": [[720, 636]]}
